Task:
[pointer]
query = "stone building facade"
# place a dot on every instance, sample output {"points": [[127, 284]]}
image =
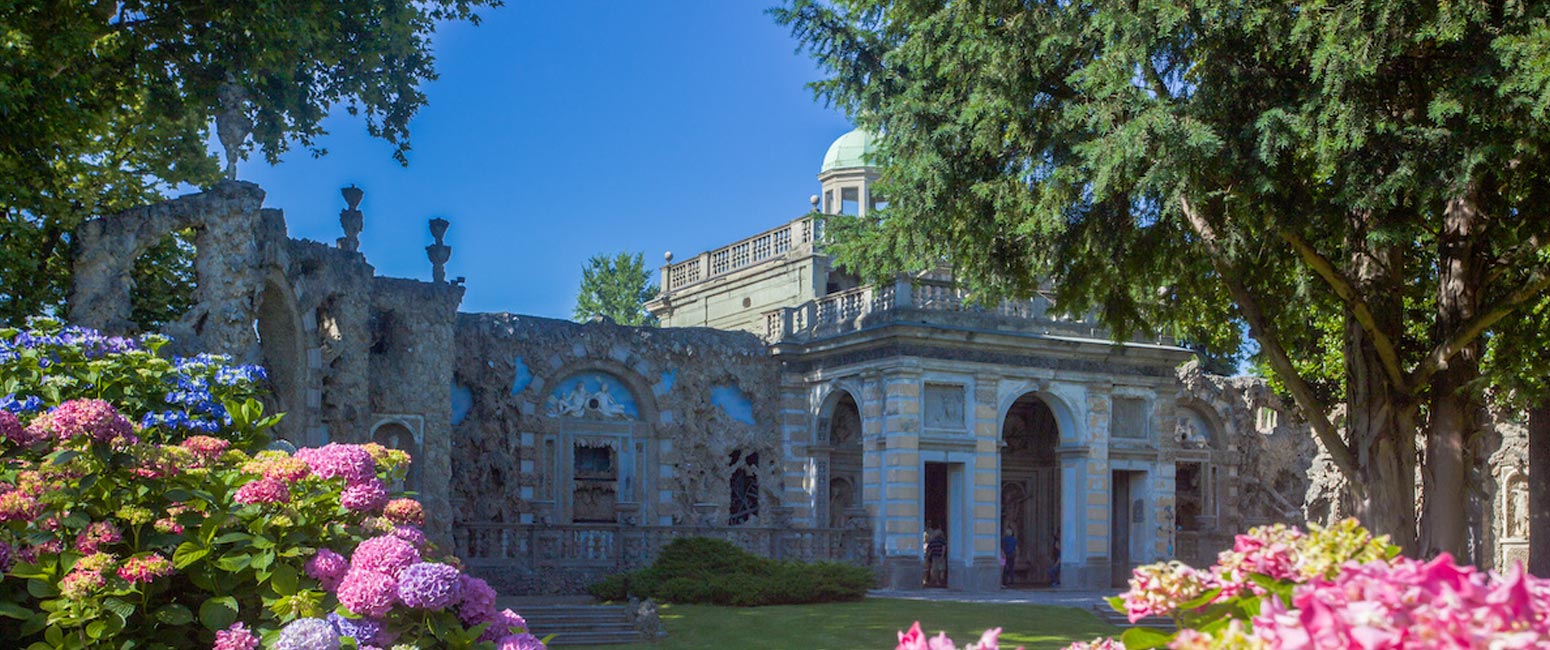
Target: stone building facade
{"points": [[784, 406]]}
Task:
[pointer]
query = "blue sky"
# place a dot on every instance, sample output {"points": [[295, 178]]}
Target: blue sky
{"points": [[563, 129]]}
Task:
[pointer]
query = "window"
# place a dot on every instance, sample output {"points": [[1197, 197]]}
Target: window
{"points": [[850, 200]]}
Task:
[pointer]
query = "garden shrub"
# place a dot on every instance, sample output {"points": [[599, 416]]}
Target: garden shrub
{"points": [[140, 509], [1335, 588], [713, 571]]}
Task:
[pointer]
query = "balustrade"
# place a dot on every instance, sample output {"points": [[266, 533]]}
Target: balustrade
{"points": [[743, 254], [625, 548]]}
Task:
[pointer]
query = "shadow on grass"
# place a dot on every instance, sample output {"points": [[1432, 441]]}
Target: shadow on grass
{"points": [[871, 623]]}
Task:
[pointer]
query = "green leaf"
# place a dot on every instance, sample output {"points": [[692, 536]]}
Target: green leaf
{"points": [[41, 588], [188, 553], [121, 608], [218, 613], [9, 609], [1201, 600], [175, 614], [234, 563], [284, 580], [1144, 638], [1117, 602]]}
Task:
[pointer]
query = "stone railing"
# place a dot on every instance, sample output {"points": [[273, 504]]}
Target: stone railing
{"points": [[908, 299], [626, 548], [748, 252]]}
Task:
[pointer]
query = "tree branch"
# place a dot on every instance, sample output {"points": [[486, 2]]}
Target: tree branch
{"points": [[1468, 332], [1261, 328], [1343, 288]]}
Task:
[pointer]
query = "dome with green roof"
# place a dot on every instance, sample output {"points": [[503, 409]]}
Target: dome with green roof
{"points": [[850, 151]]}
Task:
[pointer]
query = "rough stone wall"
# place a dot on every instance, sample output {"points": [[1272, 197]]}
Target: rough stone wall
{"points": [[307, 311], [511, 365], [1270, 471]]}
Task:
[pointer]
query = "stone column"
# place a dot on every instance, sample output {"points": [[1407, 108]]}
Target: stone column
{"points": [[902, 479]]}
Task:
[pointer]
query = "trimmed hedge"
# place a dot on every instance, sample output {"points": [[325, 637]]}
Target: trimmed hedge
{"points": [[713, 571]]}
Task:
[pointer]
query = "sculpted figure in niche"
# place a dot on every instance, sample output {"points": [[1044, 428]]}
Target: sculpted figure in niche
{"points": [[605, 403], [573, 404], [1517, 507]]}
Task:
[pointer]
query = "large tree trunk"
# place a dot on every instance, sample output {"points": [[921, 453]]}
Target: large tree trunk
{"points": [[1453, 406], [1539, 490], [1380, 417], [1380, 422]]}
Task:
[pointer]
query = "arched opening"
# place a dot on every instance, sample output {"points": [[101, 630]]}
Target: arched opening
{"points": [[280, 350], [164, 281], [844, 428], [601, 455], [1030, 493], [394, 435]]}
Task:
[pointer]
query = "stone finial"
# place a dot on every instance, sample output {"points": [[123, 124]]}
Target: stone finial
{"points": [[814, 201], [232, 124], [439, 252], [351, 219]]}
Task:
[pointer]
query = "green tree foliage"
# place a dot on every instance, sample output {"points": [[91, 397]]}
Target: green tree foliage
{"points": [[1366, 178], [107, 105], [617, 287]]}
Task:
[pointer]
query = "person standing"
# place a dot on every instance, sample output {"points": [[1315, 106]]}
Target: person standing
{"points": [[936, 557], [1008, 557]]}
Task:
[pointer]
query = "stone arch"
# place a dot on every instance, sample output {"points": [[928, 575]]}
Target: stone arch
{"points": [[282, 349], [1031, 486], [823, 423], [1515, 505], [1065, 415], [1193, 416], [837, 462], [639, 389]]}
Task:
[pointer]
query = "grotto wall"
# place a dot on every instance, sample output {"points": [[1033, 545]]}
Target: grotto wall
{"points": [[558, 422], [348, 353], [1264, 454]]}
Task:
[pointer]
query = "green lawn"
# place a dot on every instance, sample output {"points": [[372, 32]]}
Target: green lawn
{"points": [[872, 623]]}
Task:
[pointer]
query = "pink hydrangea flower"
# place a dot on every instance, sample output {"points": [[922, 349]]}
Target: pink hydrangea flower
{"points": [[263, 490], [17, 505], [206, 448], [368, 593], [410, 534], [236, 637], [278, 466], [1159, 589], [328, 568], [407, 512], [92, 418], [350, 462], [80, 584], [145, 568], [11, 429], [101, 533], [387, 555], [366, 496]]}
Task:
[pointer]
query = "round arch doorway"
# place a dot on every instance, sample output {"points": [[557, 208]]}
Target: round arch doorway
{"points": [[1030, 494]]}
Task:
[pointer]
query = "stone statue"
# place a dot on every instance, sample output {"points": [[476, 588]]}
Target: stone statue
{"points": [[607, 406]]}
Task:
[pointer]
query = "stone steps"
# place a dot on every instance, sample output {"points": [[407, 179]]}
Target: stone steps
{"points": [[1123, 622], [581, 624]]}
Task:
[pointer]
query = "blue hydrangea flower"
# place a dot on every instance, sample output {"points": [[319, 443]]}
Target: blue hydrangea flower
{"points": [[18, 405], [307, 634]]}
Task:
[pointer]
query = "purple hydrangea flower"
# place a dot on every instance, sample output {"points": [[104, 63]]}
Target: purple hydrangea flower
{"points": [[363, 630], [430, 585]]}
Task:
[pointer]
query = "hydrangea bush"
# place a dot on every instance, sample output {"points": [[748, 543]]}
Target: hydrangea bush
{"points": [[1280, 588], [139, 508]]}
